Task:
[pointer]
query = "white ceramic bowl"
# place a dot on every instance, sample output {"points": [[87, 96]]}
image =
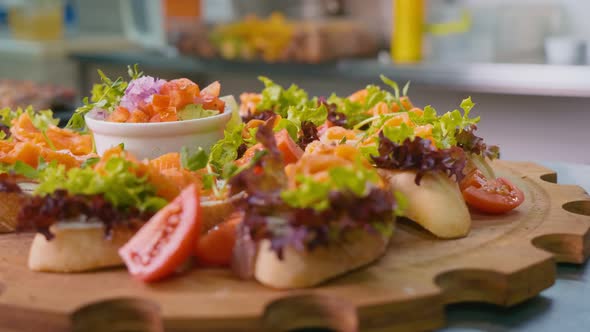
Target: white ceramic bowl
{"points": [[150, 140]]}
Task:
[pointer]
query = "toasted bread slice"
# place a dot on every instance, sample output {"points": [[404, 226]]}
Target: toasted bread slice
{"points": [[10, 204], [436, 204], [300, 269], [77, 247]]}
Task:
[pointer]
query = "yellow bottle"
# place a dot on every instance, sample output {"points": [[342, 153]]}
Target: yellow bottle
{"points": [[406, 40]]}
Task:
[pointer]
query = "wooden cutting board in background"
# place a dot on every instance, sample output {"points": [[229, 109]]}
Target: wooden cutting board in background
{"points": [[505, 260]]}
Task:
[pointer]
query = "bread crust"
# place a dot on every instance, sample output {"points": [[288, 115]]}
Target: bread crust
{"points": [[436, 204], [10, 204], [309, 268], [77, 249]]}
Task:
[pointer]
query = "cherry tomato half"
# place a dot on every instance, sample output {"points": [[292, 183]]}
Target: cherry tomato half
{"points": [[166, 240], [216, 247], [491, 196]]}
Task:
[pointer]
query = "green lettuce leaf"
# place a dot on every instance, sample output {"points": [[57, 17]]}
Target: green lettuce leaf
{"points": [[398, 134], [316, 115], [193, 160], [105, 95], [354, 179], [278, 99], [312, 194], [21, 168], [445, 126], [117, 184], [42, 119], [225, 151], [7, 115], [355, 112], [290, 126], [308, 194]]}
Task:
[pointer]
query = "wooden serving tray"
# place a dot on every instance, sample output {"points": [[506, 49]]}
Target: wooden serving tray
{"points": [[505, 260]]}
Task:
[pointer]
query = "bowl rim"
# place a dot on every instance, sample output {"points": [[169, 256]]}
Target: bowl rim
{"points": [[108, 128], [211, 118], [226, 110], [159, 130]]}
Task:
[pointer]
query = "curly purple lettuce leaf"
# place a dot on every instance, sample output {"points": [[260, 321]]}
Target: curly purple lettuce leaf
{"points": [[421, 155], [469, 142], [309, 133], [335, 117], [38, 213]]}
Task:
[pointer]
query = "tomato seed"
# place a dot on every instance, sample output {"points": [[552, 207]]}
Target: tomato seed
{"points": [[173, 220]]}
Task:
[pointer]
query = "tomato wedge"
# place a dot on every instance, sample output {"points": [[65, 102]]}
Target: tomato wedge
{"points": [[216, 247], [291, 152], [212, 89], [165, 241], [494, 196]]}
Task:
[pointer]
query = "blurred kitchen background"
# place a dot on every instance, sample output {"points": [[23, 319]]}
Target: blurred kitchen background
{"points": [[525, 63]]}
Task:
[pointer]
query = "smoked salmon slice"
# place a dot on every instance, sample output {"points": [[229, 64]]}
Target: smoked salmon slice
{"points": [[56, 138]]}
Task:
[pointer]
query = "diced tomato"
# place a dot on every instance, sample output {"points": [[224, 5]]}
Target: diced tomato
{"points": [[168, 114], [177, 84], [184, 83], [215, 104], [167, 240], [212, 89], [494, 196], [138, 116], [161, 101], [148, 109], [121, 114], [182, 92], [216, 247], [180, 99]]}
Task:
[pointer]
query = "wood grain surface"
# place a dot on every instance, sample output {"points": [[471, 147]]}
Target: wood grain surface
{"points": [[504, 260]]}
